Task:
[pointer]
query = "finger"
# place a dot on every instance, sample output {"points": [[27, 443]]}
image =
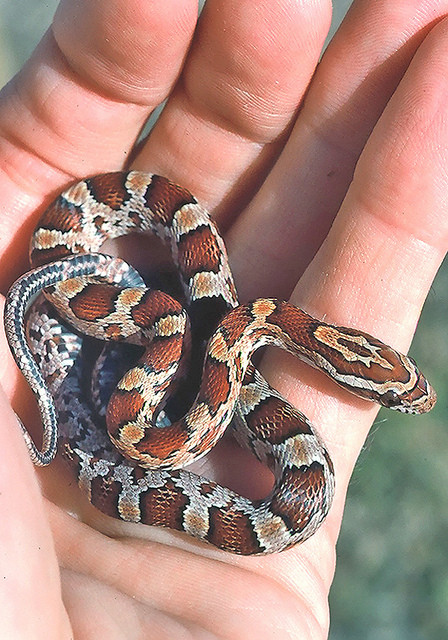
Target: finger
{"points": [[297, 204], [28, 557], [376, 265], [247, 71], [78, 105]]}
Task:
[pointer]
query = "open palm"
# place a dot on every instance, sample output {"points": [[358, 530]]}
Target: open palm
{"points": [[277, 169]]}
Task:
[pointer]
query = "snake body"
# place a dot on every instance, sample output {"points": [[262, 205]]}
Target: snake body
{"points": [[130, 457]]}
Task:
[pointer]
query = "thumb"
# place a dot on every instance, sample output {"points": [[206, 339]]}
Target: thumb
{"points": [[29, 570]]}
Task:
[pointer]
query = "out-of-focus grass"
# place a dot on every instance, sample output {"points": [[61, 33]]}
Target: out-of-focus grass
{"points": [[392, 579], [22, 23]]}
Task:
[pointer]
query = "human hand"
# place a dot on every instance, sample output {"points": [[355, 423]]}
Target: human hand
{"points": [[77, 110]]}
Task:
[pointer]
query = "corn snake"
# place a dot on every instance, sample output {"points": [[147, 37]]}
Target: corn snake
{"points": [[142, 478]]}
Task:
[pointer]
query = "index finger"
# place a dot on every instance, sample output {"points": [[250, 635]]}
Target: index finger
{"points": [[78, 105]]}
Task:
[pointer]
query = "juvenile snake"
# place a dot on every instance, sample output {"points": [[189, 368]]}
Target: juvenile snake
{"points": [[129, 457]]}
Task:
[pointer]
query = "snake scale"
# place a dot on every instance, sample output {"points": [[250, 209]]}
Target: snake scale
{"points": [[117, 424]]}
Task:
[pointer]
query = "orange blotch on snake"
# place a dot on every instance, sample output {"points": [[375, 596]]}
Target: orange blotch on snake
{"points": [[233, 531], [161, 444], [109, 189], [199, 251], [95, 301], [274, 421], [164, 506], [301, 496]]}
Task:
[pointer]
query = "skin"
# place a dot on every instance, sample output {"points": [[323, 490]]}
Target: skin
{"points": [[277, 170]]}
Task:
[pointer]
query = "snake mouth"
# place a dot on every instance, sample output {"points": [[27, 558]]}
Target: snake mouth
{"points": [[421, 399], [428, 400]]}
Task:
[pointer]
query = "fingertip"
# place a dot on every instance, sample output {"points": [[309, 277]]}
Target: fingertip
{"points": [[132, 50]]}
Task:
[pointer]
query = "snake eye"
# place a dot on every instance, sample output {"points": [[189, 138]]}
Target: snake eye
{"points": [[391, 399]]}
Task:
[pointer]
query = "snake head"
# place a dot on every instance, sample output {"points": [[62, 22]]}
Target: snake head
{"points": [[420, 398]]}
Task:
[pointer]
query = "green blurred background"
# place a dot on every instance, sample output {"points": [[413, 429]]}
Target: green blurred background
{"points": [[392, 574]]}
